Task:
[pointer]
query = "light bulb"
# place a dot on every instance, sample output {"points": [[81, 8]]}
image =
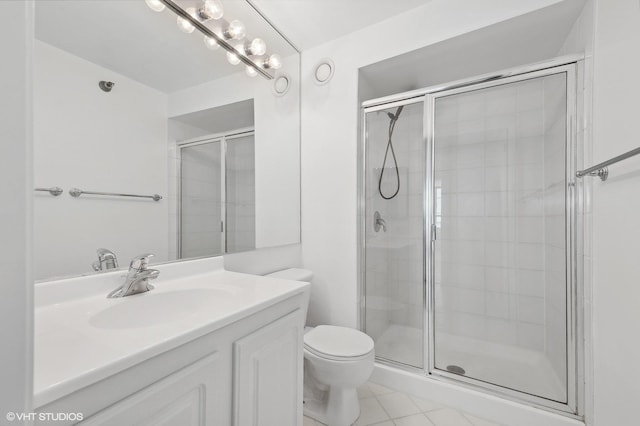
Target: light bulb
{"points": [[233, 58], [235, 30], [274, 61], [213, 9], [184, 25], [257, 47], [211, 43], [251, 72], [155, 5]]}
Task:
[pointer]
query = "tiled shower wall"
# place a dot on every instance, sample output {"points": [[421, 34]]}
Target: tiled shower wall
{"points": [[204, 223], [241, 194]]}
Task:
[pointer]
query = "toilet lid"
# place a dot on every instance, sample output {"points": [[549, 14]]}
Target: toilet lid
{"points": [[341, 342]]}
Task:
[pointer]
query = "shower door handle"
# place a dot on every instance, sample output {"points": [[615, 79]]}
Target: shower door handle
{"points": [[433, 232]]}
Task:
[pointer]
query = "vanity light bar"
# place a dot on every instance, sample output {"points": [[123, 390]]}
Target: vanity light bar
{"points": [[220, 40]]}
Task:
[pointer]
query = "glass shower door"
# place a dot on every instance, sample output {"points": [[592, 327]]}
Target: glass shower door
{"points": [[201, 199], [498, 265], [393, 230]]}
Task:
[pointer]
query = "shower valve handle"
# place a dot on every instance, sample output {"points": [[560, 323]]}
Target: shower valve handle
{"points": [[379, 222]]}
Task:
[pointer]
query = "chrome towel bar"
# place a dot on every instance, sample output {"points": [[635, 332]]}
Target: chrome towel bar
{"points": [[601, 169], [54, 190], [75, 192]]}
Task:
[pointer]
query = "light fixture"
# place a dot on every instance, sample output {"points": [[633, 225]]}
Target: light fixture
{"points": [[155, 5], [250, 71], [211, 43], [274, 61], [235, 30], [233, 58], [211, 9], [185, 25], [253, 54], [257, 47]]}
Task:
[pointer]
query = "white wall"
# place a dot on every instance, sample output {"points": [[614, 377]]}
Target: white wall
{"points": [[616, 209], [330, 137], [277, 149], [16, 291], [264, 261], [96, 141]]}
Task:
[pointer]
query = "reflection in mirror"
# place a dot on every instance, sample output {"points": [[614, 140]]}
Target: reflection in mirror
{"points": [[216, 181], [179, 121]]}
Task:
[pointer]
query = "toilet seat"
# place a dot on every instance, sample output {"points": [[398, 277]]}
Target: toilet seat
{"points": [[338, 343]]}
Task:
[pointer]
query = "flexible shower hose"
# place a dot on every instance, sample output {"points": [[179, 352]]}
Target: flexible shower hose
{"points": [[392, 125]]}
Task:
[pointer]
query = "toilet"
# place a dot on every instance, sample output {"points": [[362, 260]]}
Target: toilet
{"points": [[337, 360]]}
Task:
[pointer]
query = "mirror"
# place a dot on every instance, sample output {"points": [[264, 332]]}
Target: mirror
{"points": [[221, 148]]}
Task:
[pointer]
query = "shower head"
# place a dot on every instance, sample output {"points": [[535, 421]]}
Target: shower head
{"points": [[106, 86], [394, 117]]}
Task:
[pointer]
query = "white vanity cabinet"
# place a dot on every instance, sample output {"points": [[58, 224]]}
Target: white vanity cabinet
{"points": [[267, 375], [245, 372], [184, 398]]}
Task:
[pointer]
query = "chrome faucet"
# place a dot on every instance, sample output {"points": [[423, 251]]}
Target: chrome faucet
{"points": [[106, 260], [378, 222], [137, 280]]}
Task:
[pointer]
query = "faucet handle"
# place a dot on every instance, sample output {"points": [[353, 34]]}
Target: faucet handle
{"points": [[106, 260], [141, 261], [103, 252], [107, 256]]}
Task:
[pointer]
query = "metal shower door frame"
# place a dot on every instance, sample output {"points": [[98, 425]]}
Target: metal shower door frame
{"points": [[571, 407], [222, 139], [573, 66], [362, 224]]}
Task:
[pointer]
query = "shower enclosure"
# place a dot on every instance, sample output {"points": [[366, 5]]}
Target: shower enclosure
{"points": [[216, 195], [467, 233]]}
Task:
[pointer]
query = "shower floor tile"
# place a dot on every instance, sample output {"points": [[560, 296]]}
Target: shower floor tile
{"points": [[381, 406]]}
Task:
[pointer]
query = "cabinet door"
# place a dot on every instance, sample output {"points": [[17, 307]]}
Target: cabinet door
{"points": [[185, 398], [268, 374]]}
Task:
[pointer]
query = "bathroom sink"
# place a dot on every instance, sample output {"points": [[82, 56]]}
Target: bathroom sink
{"points": [[151, 309], [81, 337]]}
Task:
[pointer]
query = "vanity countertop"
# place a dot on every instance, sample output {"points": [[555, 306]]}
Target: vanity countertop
{"points": [[81, 337]]}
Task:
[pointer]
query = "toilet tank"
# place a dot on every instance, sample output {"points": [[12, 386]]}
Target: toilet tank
{"points": [[294, 274]]}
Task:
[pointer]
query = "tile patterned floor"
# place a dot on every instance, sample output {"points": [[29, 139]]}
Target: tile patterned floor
{"points": [[382, 406]]}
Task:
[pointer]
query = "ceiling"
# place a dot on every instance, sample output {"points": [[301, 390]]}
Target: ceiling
{"points": [[309, 23], [127, 37], [221, 119], [486, 50]]}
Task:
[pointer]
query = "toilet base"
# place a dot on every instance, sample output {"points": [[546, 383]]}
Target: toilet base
{"points": [[338, 407]]}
